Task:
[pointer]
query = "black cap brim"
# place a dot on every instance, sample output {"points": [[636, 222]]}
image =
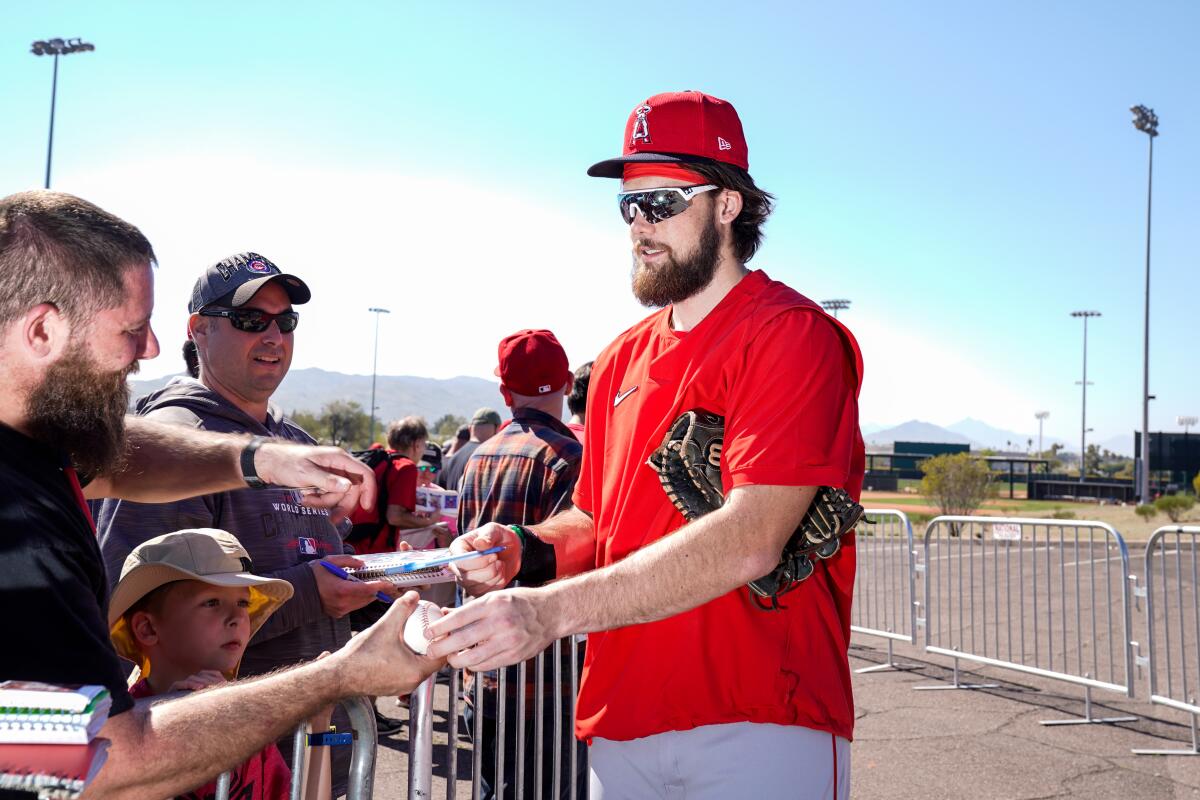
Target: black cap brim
{"points": [[297, 290], [615, 167]]}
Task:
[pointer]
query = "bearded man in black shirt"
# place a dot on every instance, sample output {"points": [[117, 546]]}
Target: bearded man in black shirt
{"points": [[76, 293]]}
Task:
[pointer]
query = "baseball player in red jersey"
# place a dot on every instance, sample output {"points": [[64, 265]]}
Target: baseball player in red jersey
{"points": [[689, 688]]}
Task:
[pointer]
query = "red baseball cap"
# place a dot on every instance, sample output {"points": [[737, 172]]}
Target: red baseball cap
{"points": [[533, 363], [679, 127]]}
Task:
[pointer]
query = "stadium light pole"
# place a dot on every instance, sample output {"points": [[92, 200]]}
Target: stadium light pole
{"points": [[375, 366], [56, 48], [835, 306], [1083, 428], [1041, 417], [1146, 121]]}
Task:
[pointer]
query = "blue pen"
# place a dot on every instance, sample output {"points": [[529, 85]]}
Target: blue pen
{"points": [[442, 561], [346, 576]]}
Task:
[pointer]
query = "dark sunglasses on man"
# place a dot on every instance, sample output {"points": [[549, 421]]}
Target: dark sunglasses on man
{"points": [[659, 204], [253, 320]]}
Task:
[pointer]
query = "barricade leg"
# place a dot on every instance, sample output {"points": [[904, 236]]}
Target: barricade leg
{"points": [[420, 741], [299, 760], [956, 684], [361, 711], [890, 664], [452, 738], [1195, 751], [1087, 718], [224, 779]]}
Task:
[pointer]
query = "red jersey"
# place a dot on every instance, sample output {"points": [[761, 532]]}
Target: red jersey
{"points": [[785, 375], [264, 776]]}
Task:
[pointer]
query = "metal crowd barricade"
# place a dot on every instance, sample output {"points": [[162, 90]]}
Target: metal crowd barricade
{"points": [[885, 601], [1173, 625], [1040, 596], [362, 761], [563, 769]]}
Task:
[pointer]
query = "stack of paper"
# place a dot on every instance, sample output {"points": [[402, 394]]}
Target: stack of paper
{"points": [[48, 741]]}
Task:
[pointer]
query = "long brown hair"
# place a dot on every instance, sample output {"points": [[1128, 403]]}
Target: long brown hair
{"points": [[756, 204]]}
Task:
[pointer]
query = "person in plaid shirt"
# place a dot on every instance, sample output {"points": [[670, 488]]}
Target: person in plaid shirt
{"points": [[523, 475]]}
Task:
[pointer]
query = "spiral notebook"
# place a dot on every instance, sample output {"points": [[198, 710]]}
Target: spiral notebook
{"points": [[412, 567], [52, 771], [48, 726]]}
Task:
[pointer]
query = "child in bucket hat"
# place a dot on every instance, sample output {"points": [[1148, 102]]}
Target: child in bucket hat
{"points": [[184, 610]]}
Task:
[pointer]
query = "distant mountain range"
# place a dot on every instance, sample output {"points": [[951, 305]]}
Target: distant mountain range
{"points": [[395, 395], [400, 395], [980, 435]]}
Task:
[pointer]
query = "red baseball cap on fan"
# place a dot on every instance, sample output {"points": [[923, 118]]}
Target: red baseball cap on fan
{"points": [[533, 363], [679, 127]]}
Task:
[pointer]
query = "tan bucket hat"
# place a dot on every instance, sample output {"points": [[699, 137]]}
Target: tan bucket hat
{"points": [[200, 554]]}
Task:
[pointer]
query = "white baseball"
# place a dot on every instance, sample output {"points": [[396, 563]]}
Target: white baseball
{"points": [[416, 629]]}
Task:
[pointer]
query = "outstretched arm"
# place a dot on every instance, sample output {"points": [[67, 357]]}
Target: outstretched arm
{"points": [[161, 749], [170, 462], [721, 551]]}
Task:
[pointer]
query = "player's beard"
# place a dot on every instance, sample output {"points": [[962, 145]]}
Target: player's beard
{"points": [[80, 410], [676, 279]]}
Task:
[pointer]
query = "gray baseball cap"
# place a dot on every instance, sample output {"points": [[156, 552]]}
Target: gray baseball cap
{"points": [[232, 281]]}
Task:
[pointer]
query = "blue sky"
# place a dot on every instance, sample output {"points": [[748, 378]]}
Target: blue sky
{"points": [[966, 175]]}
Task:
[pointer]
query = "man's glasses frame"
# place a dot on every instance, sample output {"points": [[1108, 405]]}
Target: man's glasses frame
{"points": [[659, 204], [254, 320]]}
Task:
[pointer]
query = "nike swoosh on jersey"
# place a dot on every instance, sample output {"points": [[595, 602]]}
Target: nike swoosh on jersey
{"points": [[622, 395]]}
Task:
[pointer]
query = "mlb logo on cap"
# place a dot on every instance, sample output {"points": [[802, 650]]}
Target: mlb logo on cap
{"points": [[533, 363]]}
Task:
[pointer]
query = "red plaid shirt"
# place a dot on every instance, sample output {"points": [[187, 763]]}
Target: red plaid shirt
{"points": [[523, 475]]}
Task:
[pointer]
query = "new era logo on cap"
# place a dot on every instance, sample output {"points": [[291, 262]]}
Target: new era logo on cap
{"points": [[723, 145]]}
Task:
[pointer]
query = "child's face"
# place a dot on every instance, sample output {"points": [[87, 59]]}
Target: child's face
{"points": [[201, 627]]}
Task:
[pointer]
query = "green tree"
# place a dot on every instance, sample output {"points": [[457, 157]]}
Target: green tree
{"points": [[311, 424], [1174, 505], [1196, 484], [957, 483], [1146, 511], [346, 424], [1091, 463], [446, 426]]}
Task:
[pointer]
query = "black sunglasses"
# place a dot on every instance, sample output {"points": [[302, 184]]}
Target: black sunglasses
{"points": [[252, 320], [659, 204]]}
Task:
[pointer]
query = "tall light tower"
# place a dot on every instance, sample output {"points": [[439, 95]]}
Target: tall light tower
{"points": [[375, 365], [1041, 417], [1083, 429], [1146, 121], [835, 306], [56, 48]]}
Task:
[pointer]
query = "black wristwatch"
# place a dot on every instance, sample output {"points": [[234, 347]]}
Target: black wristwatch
{"points": [[538, 565], [249, 474]]}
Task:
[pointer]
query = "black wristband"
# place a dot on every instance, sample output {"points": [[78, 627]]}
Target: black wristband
{"points": [[249, 474], [538, 565]]}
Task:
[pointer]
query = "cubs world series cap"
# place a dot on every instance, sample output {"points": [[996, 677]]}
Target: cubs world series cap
{"points": [[232, 281], [679, 127]]}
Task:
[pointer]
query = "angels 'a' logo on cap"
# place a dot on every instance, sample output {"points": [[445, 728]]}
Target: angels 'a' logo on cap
{"points": [[641, 128]]}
